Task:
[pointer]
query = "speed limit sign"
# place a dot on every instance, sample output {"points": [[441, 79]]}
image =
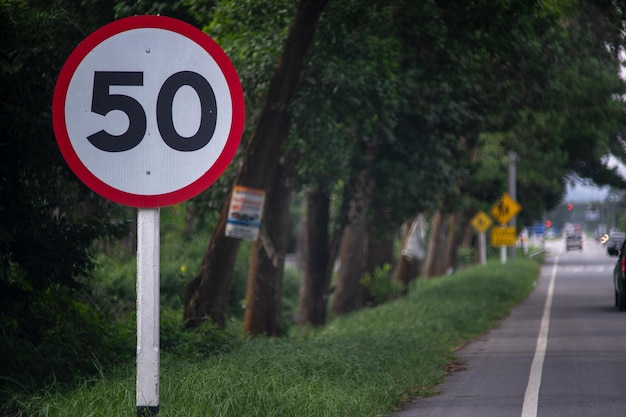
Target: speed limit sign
{"points": [[148, 111]]}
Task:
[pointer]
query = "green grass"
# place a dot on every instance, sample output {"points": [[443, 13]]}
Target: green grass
{"points": [[363, 364]]}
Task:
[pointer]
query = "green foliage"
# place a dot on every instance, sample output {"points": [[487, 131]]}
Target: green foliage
{"points": [[184, 238], [466, 255], [68, 339], [363, 364], [176, 9], [291, 298], [200, 344], [114, 282], [380, 285], [440, 91], [252, 33], [349, 94], [574, 103], [237, 296], [48, 221]]}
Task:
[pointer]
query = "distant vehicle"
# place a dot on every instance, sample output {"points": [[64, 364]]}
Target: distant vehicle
{"points": [[615, 240], [619, 274], [573, 241]]}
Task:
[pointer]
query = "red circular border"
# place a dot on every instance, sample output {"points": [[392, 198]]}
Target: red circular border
{"points": [[60, 123]]}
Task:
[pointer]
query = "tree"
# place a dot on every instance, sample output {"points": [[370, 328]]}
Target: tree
{"points": [[206, 294], [493, 74], [317, 257], [503, 72], [265, 276], [48, 220], [347, 102]]}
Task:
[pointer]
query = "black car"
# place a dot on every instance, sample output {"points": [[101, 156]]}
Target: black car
{"points": [[619, 274], [614, 240]]}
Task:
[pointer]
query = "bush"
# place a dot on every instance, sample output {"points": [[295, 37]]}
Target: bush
{"points": [[380, 286], [291, 298], [72, 339], [201, 343], [465, 256]]}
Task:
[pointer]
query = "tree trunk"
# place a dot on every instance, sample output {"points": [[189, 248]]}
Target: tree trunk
{"points": [[267, 260], [315, 256], [379, 252], [406, 271], [319, 261], [379, 248], [430, 264], [350, 294], [206, 295], [450, 243]]}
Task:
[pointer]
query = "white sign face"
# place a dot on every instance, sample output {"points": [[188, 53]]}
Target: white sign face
{"points": [[148, 111]]}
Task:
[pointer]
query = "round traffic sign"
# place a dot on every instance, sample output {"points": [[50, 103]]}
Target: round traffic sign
{"points": [[148, 111]]}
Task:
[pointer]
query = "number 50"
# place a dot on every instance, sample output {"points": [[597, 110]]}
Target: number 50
{"points": [[104, 102]]}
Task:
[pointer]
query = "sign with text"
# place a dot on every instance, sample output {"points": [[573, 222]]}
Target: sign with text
{"points": [[503, 236], [244, 213]]}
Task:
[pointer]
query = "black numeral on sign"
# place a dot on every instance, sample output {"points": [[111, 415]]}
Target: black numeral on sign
{"points": [[104, 102], [208, 107]]}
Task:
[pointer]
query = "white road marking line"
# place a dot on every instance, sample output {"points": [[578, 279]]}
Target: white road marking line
{"points": [[531, 397]]}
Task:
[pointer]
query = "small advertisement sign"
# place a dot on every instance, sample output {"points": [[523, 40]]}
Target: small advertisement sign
{"points": [[244, 213]]}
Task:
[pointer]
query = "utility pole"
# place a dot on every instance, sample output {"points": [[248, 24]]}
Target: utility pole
{"points": [[513, 160]]}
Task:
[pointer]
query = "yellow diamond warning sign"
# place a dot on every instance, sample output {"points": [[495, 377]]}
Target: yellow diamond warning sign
{"points": [[503, 236], [505, 209], [481, 222]]}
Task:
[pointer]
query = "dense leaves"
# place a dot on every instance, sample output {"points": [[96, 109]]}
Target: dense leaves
{"points": [[425, 98], [48, 221]]}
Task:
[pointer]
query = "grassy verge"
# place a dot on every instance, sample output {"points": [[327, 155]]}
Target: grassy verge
{"points": [[363, 364]]}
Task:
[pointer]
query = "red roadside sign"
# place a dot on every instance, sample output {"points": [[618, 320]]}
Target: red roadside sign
{"points": [[148, 111]]}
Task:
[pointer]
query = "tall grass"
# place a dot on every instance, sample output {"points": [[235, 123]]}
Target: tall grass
{"points": [[363, 364]]}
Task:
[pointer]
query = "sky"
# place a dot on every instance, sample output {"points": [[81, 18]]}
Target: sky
{"points": [[581, 192], [589, 193]]}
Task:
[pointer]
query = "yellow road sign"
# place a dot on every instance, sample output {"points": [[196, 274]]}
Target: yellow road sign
{"points": [[505, 209], [503, 236], [481, 222]]}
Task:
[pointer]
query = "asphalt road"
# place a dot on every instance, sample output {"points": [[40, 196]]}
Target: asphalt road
{"points": [[561, 352]]}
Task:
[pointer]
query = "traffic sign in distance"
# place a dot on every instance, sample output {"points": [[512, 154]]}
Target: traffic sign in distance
{"points": [[505, 209], [503, 236], [481, 222], [148, 111]]}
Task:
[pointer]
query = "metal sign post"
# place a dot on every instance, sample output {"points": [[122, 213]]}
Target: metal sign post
{"points": [[482, 242], [504, 210], [481, 222], [513, 160], [148, 362], [148, 111]]}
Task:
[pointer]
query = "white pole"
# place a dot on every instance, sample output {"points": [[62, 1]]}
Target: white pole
{"points": [[482, 242], [148, 258]]}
